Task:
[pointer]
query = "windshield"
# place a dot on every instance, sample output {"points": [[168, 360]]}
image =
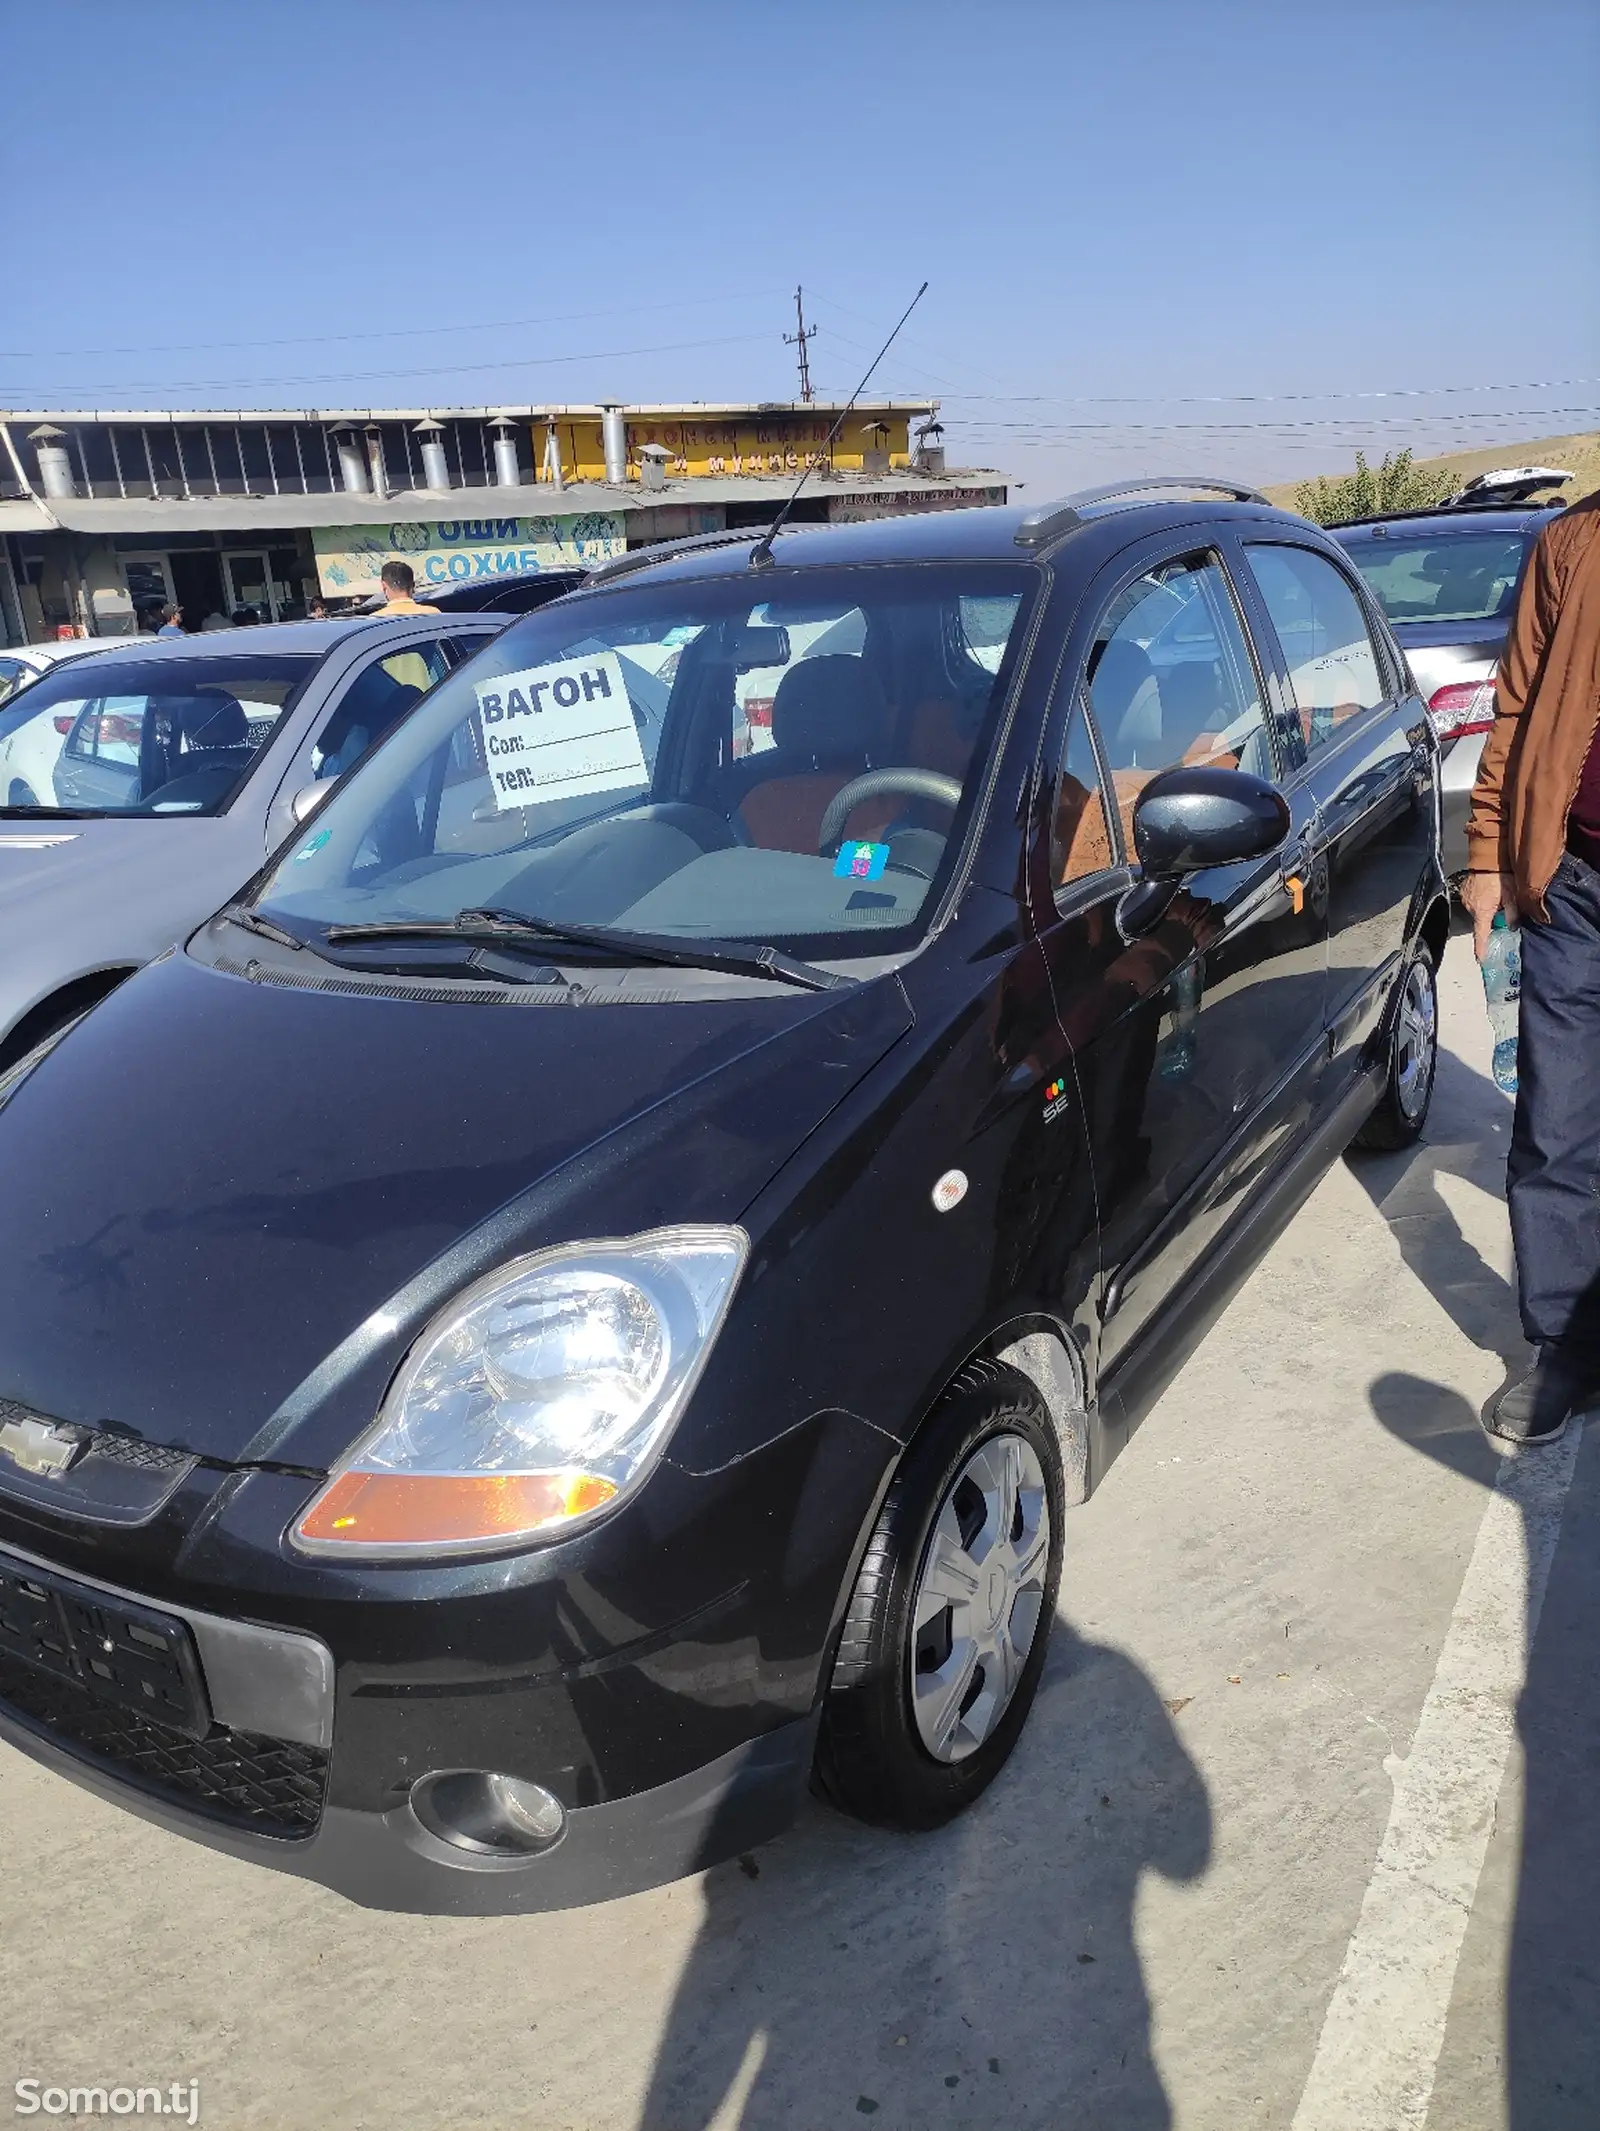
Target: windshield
{"points": [[1462, 577], [143, 735], [787, 758]]}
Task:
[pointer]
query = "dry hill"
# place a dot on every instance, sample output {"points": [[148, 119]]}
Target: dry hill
{"points": [[1581, 453]]}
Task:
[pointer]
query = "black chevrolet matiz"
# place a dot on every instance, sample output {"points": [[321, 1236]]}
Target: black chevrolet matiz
{"points": [[582, 1302]]}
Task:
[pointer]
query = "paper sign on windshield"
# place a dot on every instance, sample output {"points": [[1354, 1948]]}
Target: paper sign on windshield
{"points": [[559, 731]]}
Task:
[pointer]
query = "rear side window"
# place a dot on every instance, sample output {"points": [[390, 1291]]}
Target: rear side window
{"points": [[1462, 577], [1334, 668]]}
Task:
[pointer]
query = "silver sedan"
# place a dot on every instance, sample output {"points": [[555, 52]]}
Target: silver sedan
{"points": [[143, 784]]}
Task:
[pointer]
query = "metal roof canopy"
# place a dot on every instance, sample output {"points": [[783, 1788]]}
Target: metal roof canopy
{"points": [[691, 410], [246, 513]]}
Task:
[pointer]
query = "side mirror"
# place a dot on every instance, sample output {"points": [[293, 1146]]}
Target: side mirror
{"points": [[309, 797], [1206, 816]]}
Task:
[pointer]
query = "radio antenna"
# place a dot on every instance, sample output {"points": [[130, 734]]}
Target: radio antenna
{"points": [[761, 553]]}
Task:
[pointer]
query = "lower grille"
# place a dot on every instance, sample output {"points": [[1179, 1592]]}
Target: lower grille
{"points": [[270, 1785]]}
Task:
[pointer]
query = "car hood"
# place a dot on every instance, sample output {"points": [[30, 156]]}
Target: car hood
{"points": [[79, 895], [212, 1184], [41, 855]]}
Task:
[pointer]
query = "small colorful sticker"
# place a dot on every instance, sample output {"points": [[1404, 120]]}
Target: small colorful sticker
{"points": [[1055, 1100], [861, 862], [310, 849]]}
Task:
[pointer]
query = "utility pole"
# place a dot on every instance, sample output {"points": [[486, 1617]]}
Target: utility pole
{"points": [[798, 339]]}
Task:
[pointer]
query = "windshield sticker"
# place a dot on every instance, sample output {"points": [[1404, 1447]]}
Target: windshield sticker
{"points": [[560, 731], [312, 846], [861, 862]]}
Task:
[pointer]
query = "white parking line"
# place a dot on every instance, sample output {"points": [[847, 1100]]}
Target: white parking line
{"points": [[1379, 2050]]}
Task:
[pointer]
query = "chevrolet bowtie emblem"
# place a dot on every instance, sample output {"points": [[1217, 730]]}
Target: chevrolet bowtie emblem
{"points": [[44, 1448]]}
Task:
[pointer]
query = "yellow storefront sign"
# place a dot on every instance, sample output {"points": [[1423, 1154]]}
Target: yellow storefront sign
{"points": [[737, 445]]}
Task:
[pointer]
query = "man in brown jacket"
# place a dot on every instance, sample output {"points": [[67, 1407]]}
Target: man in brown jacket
{"points": [[1533, 849]]}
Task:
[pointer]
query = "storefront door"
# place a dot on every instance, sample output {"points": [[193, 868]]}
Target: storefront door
{"points": [[250, 585], [149, 583]]}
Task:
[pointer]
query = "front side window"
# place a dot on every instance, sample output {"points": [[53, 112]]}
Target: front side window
{"points": [[1333, 665], [1171, 680], [786, 756], [143, 735], [1459, 577], [373, 702], [1080, 828]]}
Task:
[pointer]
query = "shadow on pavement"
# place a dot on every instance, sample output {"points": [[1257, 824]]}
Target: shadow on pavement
{"points": [[1468, 1136], [1552, 2031], [985, 1974], [1552, 2027]]}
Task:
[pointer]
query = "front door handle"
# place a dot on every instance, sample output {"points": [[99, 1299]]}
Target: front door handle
{"points": [[1294, 867]]}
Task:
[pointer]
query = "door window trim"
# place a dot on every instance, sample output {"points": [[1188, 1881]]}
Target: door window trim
{"points": [[1393, 677], [1162, 549]]}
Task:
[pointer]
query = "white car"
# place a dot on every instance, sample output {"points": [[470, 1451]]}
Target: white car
{"points": [[28, 749]]}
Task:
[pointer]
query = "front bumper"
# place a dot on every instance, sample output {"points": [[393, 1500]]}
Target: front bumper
{"points": [[271, 1699], [657, 1679]]}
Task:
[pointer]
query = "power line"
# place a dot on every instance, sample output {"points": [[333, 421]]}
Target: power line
{"points": [[347, 377], [309, 340], [1348, 422]]}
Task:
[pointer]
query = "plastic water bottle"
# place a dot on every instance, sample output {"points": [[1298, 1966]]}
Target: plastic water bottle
{"points": [[1502, 988]]}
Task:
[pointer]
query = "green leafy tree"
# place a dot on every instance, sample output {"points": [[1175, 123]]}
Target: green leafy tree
{"points": [[1398, 484]]}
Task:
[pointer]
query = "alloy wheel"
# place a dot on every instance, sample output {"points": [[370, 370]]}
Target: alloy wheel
{"points": [[1416, 1040], [979, 1596]]}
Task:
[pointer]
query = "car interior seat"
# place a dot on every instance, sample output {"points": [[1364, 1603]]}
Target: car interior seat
{"points": [[193, 749], [830, 722], [1127, 704]]}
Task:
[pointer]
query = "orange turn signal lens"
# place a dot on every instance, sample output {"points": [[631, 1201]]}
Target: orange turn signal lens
{"points": [[413, 1511]]}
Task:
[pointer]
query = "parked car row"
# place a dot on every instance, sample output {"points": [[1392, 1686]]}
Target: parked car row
{"points": [[579, 1301]]}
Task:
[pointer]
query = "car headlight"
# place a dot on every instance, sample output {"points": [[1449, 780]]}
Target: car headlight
{"points": [[538, 1399]]}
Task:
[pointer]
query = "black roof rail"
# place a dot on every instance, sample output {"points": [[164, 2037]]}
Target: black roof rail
{"points": [[1043, 524], [1450, 510], [664, 550]]}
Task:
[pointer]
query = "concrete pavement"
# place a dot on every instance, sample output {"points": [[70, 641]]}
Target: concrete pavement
{"points": [[1278, 1703]]}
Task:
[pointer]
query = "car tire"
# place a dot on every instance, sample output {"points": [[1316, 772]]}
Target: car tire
{"points": [[21, 794], [930, 1690], [1402, 1109]]}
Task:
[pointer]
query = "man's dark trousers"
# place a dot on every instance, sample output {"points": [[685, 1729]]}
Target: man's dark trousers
{"points": [[1553, 1175]]}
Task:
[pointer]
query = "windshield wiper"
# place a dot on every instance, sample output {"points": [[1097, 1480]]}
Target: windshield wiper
{"points": [[38, 813], [252, 921], [509, 928]]}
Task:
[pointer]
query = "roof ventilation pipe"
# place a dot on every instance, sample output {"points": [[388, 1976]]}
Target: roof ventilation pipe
{"points": [[614, 434], [552, 457], [653, 460], [435, 466], [55, 468], [507, 464], [352, 459]]}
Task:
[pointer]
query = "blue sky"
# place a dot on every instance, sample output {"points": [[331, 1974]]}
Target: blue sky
{"points": [[1197, 236]]}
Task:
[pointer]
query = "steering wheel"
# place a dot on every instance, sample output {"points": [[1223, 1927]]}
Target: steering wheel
{"points": [[914, 783]]}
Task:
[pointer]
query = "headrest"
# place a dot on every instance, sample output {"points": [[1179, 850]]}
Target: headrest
{"points": [[1115, 677], [829, 707], [211, 720]]}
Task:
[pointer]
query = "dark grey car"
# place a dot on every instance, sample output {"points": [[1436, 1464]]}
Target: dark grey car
{"points": [[1447, 581], [140, 786]]}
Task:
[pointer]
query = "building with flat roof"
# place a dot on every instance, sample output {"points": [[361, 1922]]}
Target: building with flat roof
{"points": [[105, 517]]}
